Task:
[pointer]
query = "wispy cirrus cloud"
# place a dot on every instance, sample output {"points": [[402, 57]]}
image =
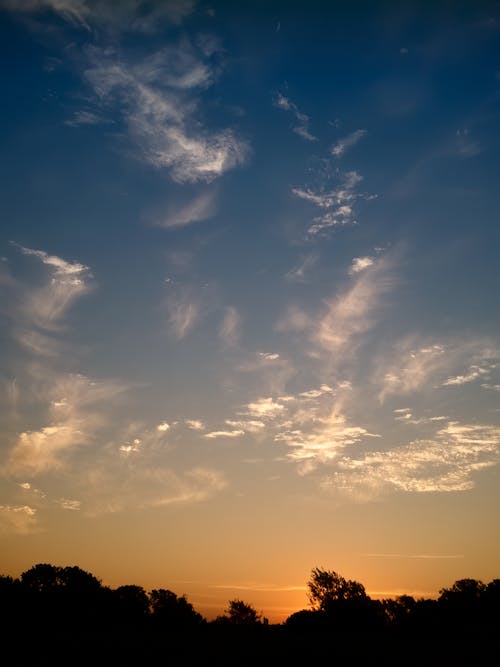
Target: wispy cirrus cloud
{"points": [[230, 328], [474, 373], [360, 264], [76, 412], [338, 202], [302, 272], [302, 126], [233, 433], [446, 463], [411, 368], [21, 519], [199, 209], [158, 98], [129, 15], [340, 323], [44, 306], [183, 313], [83, 117], [413, 364], [342, 145], [137, 485]]}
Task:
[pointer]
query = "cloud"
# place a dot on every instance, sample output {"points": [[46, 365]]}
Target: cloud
{"points": [[124, 487], [158, 98], [264, 408], [163, 427], [75, 416], [183, 314], [268, 356], [68, 504], [235, 433], [412, 364], [20, 519], [201, 208], [230, 328], [340, 202], [302, 128], [405, 415], [84, 118], [347, 142], [444, 464], [338, 326], [323, 441], [246, 425], [300, 273], [411, 368], [361, 263], [127, 15], [475, 372], [347, 316], [195, 424], [44, 306]]}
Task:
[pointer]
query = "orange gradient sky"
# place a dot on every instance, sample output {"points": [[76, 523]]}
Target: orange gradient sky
{"points": [[249, 291]]}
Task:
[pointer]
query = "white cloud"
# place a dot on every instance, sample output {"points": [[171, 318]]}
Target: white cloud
{"points": [[321, 199], [361, 263], [268, 356], [475, 372], [230, 328], [68, 504], [129, 15], [323, 441], [264, 408], [352, 313], [493, 387], [83, 118], [164, 426], [183, 314], [302, 128], [44, 306], [411, 368], [246, 425], [406, 415], [443, 464], [201, 208], [158, 100], [195, 424], [413, 364], [300, 273], [347, 142], [339, 201], [19, 519], [75, 416], [126, 486], [235, 433]]}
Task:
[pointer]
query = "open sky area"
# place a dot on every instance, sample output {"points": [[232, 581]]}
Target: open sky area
{"points": [[249, 284]]}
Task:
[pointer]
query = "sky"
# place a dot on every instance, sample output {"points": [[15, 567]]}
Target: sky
{"points": [[249, 294]]}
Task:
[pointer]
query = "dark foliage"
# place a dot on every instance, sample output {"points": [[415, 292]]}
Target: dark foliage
{"points": [[63, 615]]}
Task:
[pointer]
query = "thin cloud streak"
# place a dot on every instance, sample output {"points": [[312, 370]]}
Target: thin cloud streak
{"points": [[302, 127], [159, 108], [342, 145]]}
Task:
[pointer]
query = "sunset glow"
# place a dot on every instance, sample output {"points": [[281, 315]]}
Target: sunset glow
{"points": [[250, 276]]}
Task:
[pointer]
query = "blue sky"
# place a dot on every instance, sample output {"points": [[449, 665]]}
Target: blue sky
{"points": [[250, 261]]}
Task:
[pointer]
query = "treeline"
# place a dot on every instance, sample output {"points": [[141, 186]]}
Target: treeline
{"points": [[66, 614], [69, 595]]}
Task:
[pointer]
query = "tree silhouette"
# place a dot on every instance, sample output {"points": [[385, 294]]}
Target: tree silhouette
{"points": [[66, 594], [343, 601], [327, 588], [170, 611], [239, 612], [131, 604]]}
